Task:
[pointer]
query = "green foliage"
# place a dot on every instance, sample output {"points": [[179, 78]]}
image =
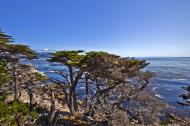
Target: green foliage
{"points": [[39, 77], [9, 113], [4, 77], [11, 53], [92, 57], [15, 49], [23, 50], [5, 38], [164, 123], [68, 58], [102, 64]]}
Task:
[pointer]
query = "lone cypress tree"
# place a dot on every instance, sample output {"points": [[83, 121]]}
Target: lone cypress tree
{"points": [[100, 69]]}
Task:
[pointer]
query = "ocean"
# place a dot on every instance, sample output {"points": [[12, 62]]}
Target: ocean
{"points": [[171, 74]]}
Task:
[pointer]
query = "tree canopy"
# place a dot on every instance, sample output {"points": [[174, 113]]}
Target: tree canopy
{"points": [[103, 74], [10, 54]]}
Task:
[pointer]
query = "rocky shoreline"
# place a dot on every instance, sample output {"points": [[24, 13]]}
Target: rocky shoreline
{"points": [[41, 97], [185, 97]]}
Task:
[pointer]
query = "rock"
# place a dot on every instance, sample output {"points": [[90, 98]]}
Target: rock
{"points": [[188, 101], [183, 103], [188, 88], [135, 121], [45, 96], [42, 100], [89, 119], [156, 124], [174, 120], [185, 96]]}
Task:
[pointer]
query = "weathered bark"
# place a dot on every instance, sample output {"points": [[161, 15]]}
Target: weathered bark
{"points": [[30, 98], [71, 107], [75, 104], [97, 86], [87, 89], [52, 110], [16, 92], [18, 120], [74, 85], [14, 82]]}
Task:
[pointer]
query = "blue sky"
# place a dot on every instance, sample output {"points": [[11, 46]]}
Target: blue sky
{"points": [[124, 27]]}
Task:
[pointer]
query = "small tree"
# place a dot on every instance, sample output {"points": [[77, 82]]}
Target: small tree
{"points": [[32, 79], [12, 74], [74, 62], [11, 54]]}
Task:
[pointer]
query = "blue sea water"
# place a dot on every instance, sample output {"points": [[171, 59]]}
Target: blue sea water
{"points": [[170, 75]]}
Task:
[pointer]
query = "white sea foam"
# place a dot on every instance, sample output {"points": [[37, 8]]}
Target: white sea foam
{"points": [[82, 88], [181, 79], [154, 88], [51, 71], [159, 96]]}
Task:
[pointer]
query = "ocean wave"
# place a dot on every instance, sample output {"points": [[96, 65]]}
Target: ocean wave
{"points": [[173, 81], [181, 79], [154, 88], [51, 71], [82, 88], [159, 96]]}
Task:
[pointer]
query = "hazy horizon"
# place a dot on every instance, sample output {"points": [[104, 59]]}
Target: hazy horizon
{"points": [[51, 50], [140, 28]]}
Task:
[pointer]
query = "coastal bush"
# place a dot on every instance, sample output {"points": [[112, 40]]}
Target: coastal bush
{"points": [[4, 77], [16, 113]]}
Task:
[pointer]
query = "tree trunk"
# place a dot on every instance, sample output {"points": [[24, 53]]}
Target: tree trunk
{"points": [[16, 89], [30, 98], [72, 91], [87, 89], [16, 92], [18, 120], [75, 104], [97, 85], [52, 110], [71, 107]]}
